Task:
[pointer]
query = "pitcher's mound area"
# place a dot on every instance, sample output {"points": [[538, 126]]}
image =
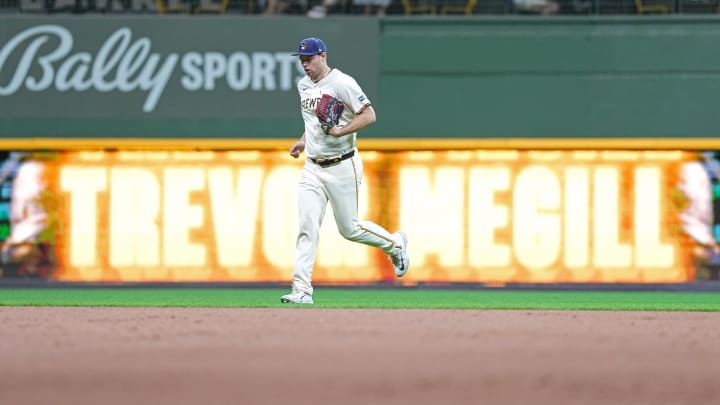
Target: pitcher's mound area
{"points": [[91, 356]]}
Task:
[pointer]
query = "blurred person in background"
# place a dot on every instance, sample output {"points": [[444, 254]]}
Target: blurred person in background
{"points": [[278, 7], [28, 249], [325, 6], [373, 7], [544, 7], [699, 205]]}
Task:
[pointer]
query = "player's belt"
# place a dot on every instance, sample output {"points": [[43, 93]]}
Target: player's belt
{"points": [[325, 162]]}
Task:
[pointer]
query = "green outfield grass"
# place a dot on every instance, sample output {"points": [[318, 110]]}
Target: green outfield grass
{"points": [[365, 298]]}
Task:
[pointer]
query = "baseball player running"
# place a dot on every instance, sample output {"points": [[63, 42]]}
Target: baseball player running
{"points": [[334, 108]]}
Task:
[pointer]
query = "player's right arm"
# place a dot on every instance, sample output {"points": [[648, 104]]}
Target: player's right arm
{"points": [[299, 146]]}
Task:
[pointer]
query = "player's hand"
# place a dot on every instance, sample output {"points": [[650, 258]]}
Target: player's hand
{"points": [[297, 148], [334, 131]]}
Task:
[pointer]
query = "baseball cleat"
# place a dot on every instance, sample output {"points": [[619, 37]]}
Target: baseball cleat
{"points": [[400, 259], [296, 297]]}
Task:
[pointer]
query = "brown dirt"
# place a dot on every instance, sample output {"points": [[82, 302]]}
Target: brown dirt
{"points": [[90, 356]]}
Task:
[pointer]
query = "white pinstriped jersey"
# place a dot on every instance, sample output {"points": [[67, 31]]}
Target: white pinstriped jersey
{"points": [[338, 85]]}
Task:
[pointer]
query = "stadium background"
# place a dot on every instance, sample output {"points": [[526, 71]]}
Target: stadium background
{"points": [[548, 149], [408, 7], [539, 154]]}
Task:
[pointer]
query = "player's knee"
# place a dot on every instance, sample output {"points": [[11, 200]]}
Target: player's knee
{"points": [[349, 232], [308, 236]]}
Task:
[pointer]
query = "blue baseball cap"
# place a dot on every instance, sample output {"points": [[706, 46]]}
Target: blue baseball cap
{"points": [[311, 46]]}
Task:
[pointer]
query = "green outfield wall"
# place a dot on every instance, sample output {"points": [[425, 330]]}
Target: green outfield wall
{"points": [[555, 77], [225, 77]]}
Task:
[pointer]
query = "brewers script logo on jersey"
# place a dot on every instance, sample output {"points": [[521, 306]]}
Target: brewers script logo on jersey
{"points": [[309, 103]]}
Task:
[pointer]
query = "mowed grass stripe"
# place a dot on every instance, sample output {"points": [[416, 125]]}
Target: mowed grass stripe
{"points": [[365, 298]]}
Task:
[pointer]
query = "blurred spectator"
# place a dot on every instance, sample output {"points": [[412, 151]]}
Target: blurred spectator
{"points": [[274, 7], [277, 7], [321, 10], [699, 203], [543, 7], [370, 7], [28, 251]]}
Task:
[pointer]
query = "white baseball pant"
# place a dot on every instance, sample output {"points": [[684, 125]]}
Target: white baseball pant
{"points": [[338, 185]]}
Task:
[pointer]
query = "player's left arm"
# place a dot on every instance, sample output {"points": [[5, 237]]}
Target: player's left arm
{"points": [[363, 119], [356, 104]]}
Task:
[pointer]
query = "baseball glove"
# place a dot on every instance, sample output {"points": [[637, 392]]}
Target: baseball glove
{"points": [[328, 111]]}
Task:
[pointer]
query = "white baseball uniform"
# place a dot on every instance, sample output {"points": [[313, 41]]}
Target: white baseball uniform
{"points": [[337, 183]]}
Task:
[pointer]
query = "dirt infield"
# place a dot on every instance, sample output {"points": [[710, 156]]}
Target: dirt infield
{"points": [[90, 356]]}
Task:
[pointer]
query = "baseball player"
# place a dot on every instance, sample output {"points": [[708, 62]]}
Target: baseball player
{"points": [[27, 250], [699, 217], [334, 108]]}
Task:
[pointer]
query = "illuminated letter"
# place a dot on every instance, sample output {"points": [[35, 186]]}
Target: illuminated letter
{"points": [[608, 252], [484, 218], [649, 251], [134, 207], [280, 217], [179, 217], [234, 203], [431, 210], [536, 235], [577, 223], [83, 184]]}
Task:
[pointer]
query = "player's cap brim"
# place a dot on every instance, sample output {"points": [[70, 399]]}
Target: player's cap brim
{"points": [[307, 53]]}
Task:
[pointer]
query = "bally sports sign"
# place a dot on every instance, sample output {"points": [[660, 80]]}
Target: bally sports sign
{"points": [[126, 64], [102, 76]]}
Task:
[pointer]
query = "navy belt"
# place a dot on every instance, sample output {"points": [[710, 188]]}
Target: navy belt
{"points": [[325, 162]]}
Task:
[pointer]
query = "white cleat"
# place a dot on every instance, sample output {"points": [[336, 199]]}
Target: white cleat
{"points": [[400, 258], [296, 297]]}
